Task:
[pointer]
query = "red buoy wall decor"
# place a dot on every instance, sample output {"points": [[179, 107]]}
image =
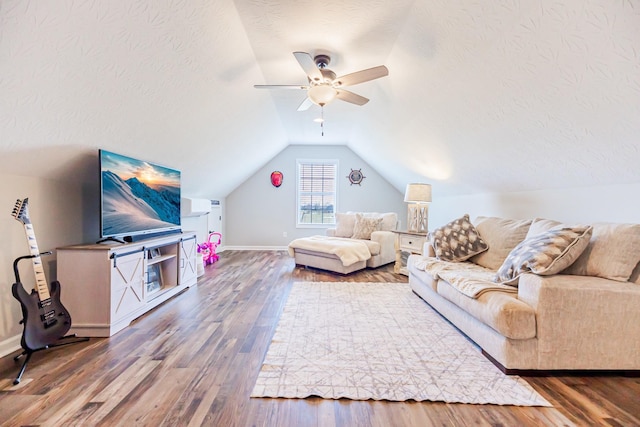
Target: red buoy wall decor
{"points": [[276, 178]]}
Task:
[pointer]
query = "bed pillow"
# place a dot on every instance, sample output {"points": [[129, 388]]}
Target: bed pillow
{"points": [[344, 224], [546, 253], [365, 226], [457, 241]]}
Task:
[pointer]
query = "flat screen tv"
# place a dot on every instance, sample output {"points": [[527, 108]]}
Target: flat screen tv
{"points": [[137, 198]]}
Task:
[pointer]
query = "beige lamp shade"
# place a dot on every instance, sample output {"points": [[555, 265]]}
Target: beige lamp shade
{"points": [[418, 197], [418, 193]]}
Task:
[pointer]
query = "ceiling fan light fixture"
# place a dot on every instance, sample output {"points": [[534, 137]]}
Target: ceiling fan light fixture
{"points": [[323, 85], [322, 94]]}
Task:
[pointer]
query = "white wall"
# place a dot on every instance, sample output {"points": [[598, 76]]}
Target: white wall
{"points": [[257, 213], [57, 212], [610, 203], [202, 225], [197, 224]]}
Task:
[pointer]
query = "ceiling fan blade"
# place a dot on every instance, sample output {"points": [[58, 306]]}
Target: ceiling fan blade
{"points": [[305, 104], [361, 76], [281, 87], [351, 97], [309, 66]]}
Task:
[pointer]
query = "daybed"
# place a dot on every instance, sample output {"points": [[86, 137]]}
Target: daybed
{"points": [[543, 296], [359, 240]]}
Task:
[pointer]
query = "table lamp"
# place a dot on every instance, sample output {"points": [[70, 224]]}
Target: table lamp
{"points": [[418, 196]]}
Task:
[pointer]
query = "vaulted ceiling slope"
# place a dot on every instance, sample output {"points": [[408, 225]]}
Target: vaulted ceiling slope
{"points": [[481, 96]]}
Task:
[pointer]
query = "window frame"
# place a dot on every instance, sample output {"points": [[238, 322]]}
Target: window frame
{"points": [[299, 162]]}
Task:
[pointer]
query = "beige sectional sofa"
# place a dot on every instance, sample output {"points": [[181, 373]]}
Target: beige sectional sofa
{"points": [[572, 304], [369, 232]]}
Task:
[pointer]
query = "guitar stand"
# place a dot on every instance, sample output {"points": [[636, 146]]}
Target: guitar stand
{"points": [[29, 352]]}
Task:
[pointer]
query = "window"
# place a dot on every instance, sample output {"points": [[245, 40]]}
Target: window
{"points": [[316, 196]]}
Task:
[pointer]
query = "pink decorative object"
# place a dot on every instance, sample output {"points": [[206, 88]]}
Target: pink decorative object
{"points": [[208, 249], [276, 178]]}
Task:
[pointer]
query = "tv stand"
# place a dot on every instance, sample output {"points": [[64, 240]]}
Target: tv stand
{"points": [[106, 287]]}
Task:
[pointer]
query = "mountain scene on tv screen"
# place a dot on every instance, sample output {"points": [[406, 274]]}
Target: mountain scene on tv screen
{"points": [[130, 206]]}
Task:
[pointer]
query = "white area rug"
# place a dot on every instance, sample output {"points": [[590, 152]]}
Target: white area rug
{"points": [[378, 341]]}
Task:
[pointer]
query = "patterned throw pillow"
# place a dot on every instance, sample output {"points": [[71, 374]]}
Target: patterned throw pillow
{"points": [[365, 226], [457, 241], [546, 253]]}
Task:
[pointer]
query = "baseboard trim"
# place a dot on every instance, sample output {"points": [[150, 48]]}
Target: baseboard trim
{"points": [[10, 345], [255, 248], [562, 372]]}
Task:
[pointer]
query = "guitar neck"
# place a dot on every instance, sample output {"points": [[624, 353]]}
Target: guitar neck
{"points": [[41, 281]]}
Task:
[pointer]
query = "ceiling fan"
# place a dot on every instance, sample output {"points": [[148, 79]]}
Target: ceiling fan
{"points": [[324, 86]]}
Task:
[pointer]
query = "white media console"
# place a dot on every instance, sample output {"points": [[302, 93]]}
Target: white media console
{"points": [[106, 286]]}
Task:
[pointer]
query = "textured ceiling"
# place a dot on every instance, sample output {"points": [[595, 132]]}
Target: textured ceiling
{"points": [[481, 96]]}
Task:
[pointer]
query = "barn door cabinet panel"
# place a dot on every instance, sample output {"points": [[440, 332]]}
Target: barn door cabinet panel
{"points": [[106, 286], [188, 259]]}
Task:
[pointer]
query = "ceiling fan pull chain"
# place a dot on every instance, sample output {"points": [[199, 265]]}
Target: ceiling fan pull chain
{"points": [[322, 120]]}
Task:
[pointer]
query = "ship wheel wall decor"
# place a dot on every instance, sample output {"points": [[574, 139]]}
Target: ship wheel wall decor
{"points": [[356, 176]]}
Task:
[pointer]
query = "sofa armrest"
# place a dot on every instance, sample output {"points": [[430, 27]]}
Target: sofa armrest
{"points": [[427, 249], [331, 232], [387, 241], [594, 320]]}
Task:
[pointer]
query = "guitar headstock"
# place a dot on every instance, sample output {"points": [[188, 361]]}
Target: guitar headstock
{"points": [[21, 211]]}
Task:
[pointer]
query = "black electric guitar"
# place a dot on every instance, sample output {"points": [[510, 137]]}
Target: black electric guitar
{"points": [[44, 317]]}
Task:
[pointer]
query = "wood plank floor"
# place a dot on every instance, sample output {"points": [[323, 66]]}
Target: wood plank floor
{"points": [[193, 361]]}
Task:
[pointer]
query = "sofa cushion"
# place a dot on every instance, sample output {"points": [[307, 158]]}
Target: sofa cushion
{"points": [[457, 241], [546, 253], [500, 310], [344, 224], [365, 226], [635, 275], [613, 252], [540, 225], [415, 269], [502, 235], [374, 247], [389, 221], [468, 278]]}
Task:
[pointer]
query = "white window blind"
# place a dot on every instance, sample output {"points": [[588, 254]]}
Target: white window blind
{"points": [[316, 195]]}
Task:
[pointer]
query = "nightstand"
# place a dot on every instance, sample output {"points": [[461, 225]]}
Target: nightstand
{"points": [[407, 243]]}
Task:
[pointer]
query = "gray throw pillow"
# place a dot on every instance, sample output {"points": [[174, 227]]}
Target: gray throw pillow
{"points": [[457, 241], [546, 253]]}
